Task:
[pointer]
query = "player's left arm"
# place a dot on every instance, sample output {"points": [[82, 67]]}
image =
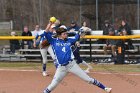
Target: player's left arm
{"points": [[74, 39], [77, 36]]}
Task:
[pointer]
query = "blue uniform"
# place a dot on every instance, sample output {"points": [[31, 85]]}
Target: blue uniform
{"points": [[63, 53], [62, 48], [66, 64], [40, 37]]}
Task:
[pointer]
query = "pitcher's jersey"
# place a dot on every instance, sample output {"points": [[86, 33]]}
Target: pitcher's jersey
{"points": [[62, 48]]}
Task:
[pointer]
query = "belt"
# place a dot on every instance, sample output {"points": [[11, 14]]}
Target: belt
{"points": [[67, 63]]}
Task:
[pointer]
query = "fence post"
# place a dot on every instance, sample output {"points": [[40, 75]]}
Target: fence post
{"points": [[11, 25], [90, 50]]}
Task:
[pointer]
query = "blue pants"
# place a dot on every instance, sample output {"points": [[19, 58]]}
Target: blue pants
{"points": [[77, 55]]}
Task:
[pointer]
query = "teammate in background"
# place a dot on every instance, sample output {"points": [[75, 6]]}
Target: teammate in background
{"points": [[65, 59], [74, 28], [79, 60], [41, 42]]}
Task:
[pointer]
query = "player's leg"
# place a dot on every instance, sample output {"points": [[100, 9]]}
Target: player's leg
{"points": [[60, 73], [77, 55], [43, 52], [75, 69], [80, 61], [86, 64], [50, 50]]}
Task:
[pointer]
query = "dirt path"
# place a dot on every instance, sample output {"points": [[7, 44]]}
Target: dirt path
{"points": [[14, 81]]}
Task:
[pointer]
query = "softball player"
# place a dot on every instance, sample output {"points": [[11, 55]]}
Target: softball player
{"points": [[65, 59], [41, 41], [73, 29], [79, 60]]}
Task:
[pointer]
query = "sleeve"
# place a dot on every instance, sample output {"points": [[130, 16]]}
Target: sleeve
{"points": [[41, 35], [49, 37], [77, 28], [68, 28], [74, 39]]}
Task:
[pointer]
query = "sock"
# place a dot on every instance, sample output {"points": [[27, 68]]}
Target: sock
{"points": [[97, 83], [44, 67]]}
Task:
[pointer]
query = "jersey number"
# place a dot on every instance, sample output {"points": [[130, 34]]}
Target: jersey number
{"points": [[64, 49]]}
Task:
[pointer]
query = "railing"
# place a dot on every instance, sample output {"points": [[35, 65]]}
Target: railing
{"points": [[88, 50]]}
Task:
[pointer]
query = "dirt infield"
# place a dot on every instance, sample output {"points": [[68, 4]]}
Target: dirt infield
{"points": [[31, 81]]}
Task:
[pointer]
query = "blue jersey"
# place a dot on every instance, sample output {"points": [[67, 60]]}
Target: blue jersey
{"points": [[40, 37], [62, 48]]}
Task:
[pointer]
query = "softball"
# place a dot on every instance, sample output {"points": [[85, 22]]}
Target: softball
{"points": [[52, 19]]}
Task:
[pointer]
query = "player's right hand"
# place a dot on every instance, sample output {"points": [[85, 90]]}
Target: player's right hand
{"points": [[48, 26]]}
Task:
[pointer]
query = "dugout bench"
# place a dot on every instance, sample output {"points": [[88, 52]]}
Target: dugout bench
{"points": [[95, 53]]}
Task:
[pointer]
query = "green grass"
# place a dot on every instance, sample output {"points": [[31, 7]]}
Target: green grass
{"points": [[117, 68], [98, 67], [23, 65], [18, 65]]}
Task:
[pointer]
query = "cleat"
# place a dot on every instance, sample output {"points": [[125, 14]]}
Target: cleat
{"points": [[46, 91], [108, 90], [90, 67], [87, 71], [45, 73]]}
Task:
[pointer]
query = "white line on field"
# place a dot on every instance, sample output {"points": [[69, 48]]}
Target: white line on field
{"points": [[103, 73], [19, 70]]}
